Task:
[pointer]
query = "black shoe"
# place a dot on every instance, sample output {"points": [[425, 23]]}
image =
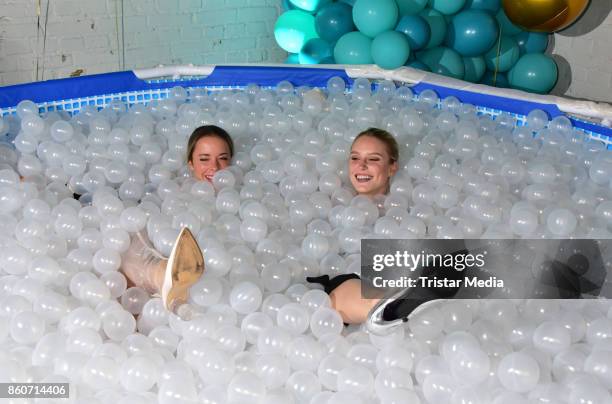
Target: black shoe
{"points": [[393, 311]]}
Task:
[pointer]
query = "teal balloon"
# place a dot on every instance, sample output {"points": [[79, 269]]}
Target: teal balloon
{"points": [[333, 21], [353, 48], [437, 26], [475, 68], [508, 51], [447, 7], [372, 17], [417, 64], [532, 42], [328, 61], [442, 60], [490, 6], [505, 25], [286, 5], [534, 72], [472, 32], [349, 2], [314, 51], [293, 59], [491, 79], [390, 49], [311, 6], [411, 7], [293, 29], [416, 29]]}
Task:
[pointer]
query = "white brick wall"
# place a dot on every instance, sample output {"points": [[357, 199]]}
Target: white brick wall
{"points": [[82, 34], [86, 34], [585, 50]]}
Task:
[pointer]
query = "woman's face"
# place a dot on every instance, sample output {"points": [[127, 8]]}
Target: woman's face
{"points": [[370, 166], [210, 155]]}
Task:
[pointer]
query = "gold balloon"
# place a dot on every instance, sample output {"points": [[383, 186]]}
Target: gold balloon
{"points": [[544, 15]]}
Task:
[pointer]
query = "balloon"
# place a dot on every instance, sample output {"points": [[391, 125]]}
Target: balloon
{"points": [[410, 7], [437, 24], [505, 25], [508, 51], [314, 51], [353, 48], [417, 64], [309, 5], [474, 68], [442, 60], [349, 2], [495, 80], [286, 5], [372, 17], [447, 7], [490, 6], [416, 29], [333, 21], [390, 49], [532, 42], [293, 29], [534, 72], [293, 59], [472, 32], [544, 15]]}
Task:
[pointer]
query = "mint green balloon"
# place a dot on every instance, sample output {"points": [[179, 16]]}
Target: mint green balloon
{"points": [[410, 7], [353, 48], [437, 24], [535, 73], [447, 7], [372, 17], [309, 5], [509, 53], [475, 68], [445, 61], [390, 49], [293, 29]]}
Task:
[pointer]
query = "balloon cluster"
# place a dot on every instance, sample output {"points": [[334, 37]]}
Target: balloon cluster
{"points": [[472, 40]]}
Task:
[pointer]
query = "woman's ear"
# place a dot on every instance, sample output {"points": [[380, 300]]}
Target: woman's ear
{"points": [[393, 169], [190, 164]]}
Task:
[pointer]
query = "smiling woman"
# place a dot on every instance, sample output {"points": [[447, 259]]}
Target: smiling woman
{"points": [[373, 162], [210, 149]]}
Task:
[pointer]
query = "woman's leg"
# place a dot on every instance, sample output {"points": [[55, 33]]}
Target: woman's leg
{"points": [[347, 300], [143, 266], [170, 278]]}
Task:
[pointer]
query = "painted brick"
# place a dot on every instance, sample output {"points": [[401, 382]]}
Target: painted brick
{"points": [[236, 3], [215, 17], [192, 33], [12, 10], [72, 44], [189, 5], [234, 30], [63, 8], [237, 44], [256, 28], [249, 14], [99, 7], [215, 32], [19, 30], [168, 21], [135, 24], [165, 7]]}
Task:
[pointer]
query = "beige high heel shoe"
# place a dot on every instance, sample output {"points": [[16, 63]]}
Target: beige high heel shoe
{"points": [[169, 277]]}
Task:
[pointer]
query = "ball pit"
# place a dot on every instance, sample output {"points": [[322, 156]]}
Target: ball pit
{"points": [[257, 333]]}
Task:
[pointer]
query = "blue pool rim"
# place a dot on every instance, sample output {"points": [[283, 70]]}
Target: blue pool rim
{"points": [[240, 76]]}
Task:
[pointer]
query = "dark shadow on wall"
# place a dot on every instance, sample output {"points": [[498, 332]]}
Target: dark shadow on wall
{"points": [[595, 14], [565, 75]]}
